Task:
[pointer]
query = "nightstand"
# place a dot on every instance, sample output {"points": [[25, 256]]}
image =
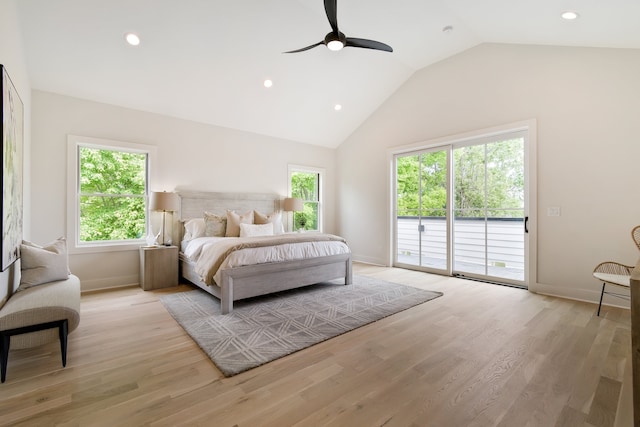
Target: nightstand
{"points": [[158, 267]]}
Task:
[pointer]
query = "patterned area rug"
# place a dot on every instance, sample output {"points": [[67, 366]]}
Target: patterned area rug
{"points": [[262, 329]]}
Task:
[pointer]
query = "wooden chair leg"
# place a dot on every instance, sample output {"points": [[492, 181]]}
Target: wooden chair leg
{"points": [[601, 295], [63, 331], [4, 355], [5, 337]]}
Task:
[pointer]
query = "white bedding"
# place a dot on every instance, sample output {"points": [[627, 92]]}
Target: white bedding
{"points": [[197, 250]]}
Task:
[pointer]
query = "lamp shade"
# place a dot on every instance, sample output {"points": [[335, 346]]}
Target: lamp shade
{"points": [[292, 205], [163, 201]]}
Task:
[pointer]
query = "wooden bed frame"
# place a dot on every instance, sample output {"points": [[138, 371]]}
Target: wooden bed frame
{"points": [[261, 279]]}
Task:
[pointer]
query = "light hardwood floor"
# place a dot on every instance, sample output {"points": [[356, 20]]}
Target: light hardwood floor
{"points": [[481, 355]]}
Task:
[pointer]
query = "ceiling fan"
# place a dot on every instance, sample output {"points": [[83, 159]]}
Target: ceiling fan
{"points": [[336, 40]]}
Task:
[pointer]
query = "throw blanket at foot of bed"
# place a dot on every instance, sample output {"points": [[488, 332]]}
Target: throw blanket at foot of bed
{"points": [[213, 256]]}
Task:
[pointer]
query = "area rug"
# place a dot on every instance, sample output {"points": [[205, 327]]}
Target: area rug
{"points": [[262, 329]]}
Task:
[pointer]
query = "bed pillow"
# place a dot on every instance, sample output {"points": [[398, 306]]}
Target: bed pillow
{"points": [[255, 230], [43, 264], [274, 218], [234, 220], [215, 225], [194, 228]]}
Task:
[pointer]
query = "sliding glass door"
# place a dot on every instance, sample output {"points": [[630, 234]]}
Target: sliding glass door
{"points": [[488, 211], [421, 206], [461, 209]]}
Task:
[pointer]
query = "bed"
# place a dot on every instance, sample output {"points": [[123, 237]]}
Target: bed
{"points": [[236, 282]]}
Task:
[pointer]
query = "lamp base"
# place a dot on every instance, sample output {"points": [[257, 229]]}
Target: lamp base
{"points": [[166, 239]]}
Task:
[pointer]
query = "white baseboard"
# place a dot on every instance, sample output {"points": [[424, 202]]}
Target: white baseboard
{"points": [[109, 283], [368, 260], [584, 295]]}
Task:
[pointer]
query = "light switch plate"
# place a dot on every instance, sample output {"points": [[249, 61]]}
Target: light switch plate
{"points": [[553, 211]]}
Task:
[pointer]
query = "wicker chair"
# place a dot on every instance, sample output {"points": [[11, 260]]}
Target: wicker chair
{"points": [[614, 273]]}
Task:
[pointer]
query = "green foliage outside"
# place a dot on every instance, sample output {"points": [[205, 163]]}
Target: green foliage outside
{"points": [[485, 183], [112, 195], [305, 186]]}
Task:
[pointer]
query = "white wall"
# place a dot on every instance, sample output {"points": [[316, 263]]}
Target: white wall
{"points": [[12, 57], [587, 105], [191, 156]]}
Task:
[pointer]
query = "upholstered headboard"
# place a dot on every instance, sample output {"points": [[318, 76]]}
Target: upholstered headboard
{"points": [[193, 204]]}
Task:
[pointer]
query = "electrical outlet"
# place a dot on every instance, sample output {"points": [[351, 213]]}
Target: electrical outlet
{"points": [[553, 211]]}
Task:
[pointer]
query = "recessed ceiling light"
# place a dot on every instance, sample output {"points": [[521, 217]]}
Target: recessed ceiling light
{"points": [[132, 39], [569, 15], [337, 107], [268, 83]]}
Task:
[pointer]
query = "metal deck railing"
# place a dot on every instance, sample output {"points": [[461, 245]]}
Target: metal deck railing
{"points": [[422, 242]]}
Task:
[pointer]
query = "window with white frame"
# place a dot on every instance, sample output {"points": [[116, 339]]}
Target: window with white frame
{"points": [[108, 186], [305, 183]]}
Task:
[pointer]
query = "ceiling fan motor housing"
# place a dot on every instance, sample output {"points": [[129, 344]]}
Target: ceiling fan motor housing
{"points": [[335, 37]]}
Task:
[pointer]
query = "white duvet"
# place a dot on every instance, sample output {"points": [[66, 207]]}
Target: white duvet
{"points": [[196, 251]]}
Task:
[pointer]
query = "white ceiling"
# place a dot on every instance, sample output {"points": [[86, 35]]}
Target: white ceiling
{"points": [[206, 60]]}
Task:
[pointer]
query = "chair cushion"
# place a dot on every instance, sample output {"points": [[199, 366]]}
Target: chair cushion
{"points": [[57, 300], [614, 279]]}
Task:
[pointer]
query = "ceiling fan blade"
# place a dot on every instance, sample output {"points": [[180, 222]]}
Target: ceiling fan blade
{"points": [[305, 48], [331, 9], [368, 44]]}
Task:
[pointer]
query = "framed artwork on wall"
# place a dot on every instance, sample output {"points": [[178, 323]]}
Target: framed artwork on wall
{"points": [[12, 130]]}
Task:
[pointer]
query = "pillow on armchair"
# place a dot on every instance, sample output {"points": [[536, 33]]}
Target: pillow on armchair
{"points": [[43, 264]]}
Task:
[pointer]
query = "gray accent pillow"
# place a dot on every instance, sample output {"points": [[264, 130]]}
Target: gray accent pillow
{"points": [[43, 264], [215, 225]]}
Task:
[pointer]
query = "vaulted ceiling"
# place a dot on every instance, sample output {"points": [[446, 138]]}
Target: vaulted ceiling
{"points": [[206, 60]]}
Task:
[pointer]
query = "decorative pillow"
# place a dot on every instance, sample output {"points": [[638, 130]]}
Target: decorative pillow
{"points": [[275, 218], [254, 230], [43, 264], [215, 225], [194, 228], [234, 220]]}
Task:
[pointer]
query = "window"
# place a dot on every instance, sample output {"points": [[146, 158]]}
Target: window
{"points": [[306, 183], [107, 193]]}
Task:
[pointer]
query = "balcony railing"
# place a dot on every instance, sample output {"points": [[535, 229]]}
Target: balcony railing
{"points": [[422, 242]]}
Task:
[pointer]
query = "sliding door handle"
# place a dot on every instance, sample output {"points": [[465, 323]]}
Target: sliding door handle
{"points": [[526, 224]]}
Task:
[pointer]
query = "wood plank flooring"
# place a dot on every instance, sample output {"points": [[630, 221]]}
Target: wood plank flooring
{"points": [[481, 355]]}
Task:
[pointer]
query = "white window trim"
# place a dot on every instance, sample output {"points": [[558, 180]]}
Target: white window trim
{"points": [[321, 173], [73, 142]]}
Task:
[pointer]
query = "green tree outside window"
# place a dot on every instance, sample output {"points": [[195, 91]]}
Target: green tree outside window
{"points": [[306, 186], [112, 194], [495, 170]]}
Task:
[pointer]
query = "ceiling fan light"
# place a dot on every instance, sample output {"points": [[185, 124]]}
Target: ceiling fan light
{"points": [[335, 45]]}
